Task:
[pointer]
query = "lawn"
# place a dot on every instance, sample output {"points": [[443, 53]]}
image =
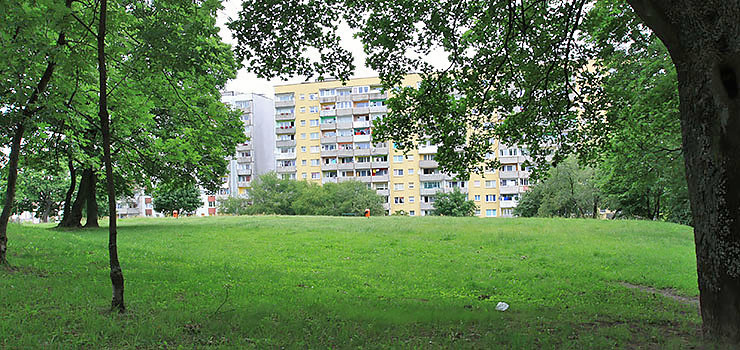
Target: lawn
{"points": [[383, 282]]}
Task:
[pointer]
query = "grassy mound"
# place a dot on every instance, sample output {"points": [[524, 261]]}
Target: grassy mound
{"points": [[383, 282]]}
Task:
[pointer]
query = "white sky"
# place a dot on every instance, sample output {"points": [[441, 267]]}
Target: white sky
{"points": [[248, 82]]}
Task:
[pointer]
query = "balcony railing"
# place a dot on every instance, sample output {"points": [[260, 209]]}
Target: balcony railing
{"points": [[279, 104], [285, 130]]}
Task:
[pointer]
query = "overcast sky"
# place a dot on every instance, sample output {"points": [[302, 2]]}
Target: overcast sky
{"points": [[248, 82]]}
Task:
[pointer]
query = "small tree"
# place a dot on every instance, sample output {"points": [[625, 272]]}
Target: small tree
{"points": [[354, 197], [168, 197], [234, 206], [273, 195], [454, 203]]}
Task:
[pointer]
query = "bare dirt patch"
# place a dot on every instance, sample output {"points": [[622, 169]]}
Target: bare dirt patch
{"points": [[668, 293]]}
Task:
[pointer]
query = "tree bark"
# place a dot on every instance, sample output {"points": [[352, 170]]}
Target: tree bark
{"points": [[74, 217], [15, 150], [68, 197], [92, 202], [116, 273], [702, 38]]}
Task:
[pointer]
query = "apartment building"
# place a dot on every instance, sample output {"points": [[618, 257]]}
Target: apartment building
{"points": [[324, 134]]}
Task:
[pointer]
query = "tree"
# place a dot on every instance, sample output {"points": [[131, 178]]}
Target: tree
{"points": [[271, 194], [569, 190], [183, 197], [352, 197], [523, 64], [453, 203], [234, 206], [41, 192]]}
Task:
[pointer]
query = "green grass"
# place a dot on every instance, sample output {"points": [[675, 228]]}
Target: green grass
{"points": [[384, 282]]}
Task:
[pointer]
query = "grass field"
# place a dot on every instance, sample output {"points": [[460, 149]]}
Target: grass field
{"points": [[384, 282]]}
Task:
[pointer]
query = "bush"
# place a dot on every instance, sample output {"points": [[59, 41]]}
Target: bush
{"points": [[453, 203]]}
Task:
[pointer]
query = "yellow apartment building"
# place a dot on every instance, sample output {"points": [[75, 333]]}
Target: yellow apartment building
{"points": [[324, 134]]}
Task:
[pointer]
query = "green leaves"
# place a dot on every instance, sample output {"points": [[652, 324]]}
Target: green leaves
{"points": [[454, 203], [183, 197]]}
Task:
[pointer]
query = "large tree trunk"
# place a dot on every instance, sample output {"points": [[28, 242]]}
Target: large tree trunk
{"points": [[74, 217], [116, 274], [92, 202], [702, 38], [15, 150]]}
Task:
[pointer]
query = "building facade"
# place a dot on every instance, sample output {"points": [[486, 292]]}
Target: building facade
{"points": [[323, 134]]}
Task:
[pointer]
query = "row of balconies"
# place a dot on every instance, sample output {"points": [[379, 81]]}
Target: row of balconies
{"points": [[285, 169], [284, 156], [279, 104], [244, 171], [346, 125], [355, 152], [243, 159], [284, 116], [354, 97], [342, 139], [285, 143], [357, 165], [365, 179], [243, 147], [285, 130], [244, 183], [352, 111]]}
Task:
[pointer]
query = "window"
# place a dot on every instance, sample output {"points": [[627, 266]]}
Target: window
{"points": [[524, 182], [363, 159], [411, 171], [397, 159], [411, 185], [304, 175], [315, 162], [507, 168], [477, 212], [477, 198], [314, 122], [398, 187], [410, 157], [381, 186], [412, 212], [431, 184], [398, 172], [303, 148], [303, 122], [312, 96], [315, 149], [507, 212], [313, 109], [360, 89], [344, 104], [314, 136], [490, 212], [398, 200], [316, 175], [303, 97], [303, 135], [508, 182], [303, 162], [476, 183], [490, 183], [303, 109], [364, 172], [490, 198], [212, 204], [428, 157], [411, 199]]}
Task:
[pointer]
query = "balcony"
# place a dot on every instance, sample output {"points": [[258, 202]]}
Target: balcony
{"points": [[524, 174], [344, 125], [508, 189], [380, 165], [345, 152], [328, 167], [327, 112], [327, 99], [279, 104], [383, 192], [376, 95], [284, 156], [360, 110], [425, 164], [285, 143], [243, 147], [362, 152], [378, 109], [243, 159], [359, 97], [427, 206], [362, 138], [364, 179], [345, 166], [244, 184], [508, 159], [329, 153], [284, 116], [508, 204], [344, 111], [362, 124], [508, 174], [328, 126], [285, 130], [380, 178], [343, 139], [431, 177], [244, 171], [429, 191], [345, 178], [427, 149], [329, 139], [363, 165], [379, 151], [386, 206], [341, 98], [326, 180], [523, 189], [285, 169], [452, 189]]}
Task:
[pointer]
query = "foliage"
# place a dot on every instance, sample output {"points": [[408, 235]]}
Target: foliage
{"points": [[569, 191], [168, 197], [41, 191], [385, 280], [233, 205], [453, 203], [271, 194]]}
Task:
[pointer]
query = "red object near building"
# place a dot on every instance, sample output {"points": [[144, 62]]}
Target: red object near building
{"points": [[211, 211], [148, 212], [147, 200]]}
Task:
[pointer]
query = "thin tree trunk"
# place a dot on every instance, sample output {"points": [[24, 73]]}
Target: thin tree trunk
{"points": [[68, 197], [92, 203], [74, 217], [15, 150], [116, 274]]}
